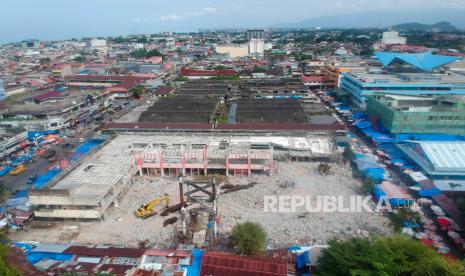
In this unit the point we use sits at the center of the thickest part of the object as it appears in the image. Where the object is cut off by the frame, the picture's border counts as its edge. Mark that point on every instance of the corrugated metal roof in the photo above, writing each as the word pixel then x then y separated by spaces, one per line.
pixel 109 251
pixel 50 248
pixel 229 265
pixel 445 155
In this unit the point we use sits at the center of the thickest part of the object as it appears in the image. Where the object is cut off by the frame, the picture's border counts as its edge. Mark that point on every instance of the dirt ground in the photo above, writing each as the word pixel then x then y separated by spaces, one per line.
pixel 120 226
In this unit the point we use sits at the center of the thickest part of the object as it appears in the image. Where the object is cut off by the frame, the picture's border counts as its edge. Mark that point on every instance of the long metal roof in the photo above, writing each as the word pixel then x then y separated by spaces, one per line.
pixel 437 158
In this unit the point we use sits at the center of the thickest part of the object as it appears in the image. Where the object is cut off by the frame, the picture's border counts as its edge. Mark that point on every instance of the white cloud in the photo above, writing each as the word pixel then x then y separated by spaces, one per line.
pixel 210 10
pixel 183 16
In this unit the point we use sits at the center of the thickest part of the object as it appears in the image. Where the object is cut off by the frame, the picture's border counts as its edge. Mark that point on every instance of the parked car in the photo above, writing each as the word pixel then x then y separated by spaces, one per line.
pixel 67 145
pixel 49 153
pixel 82 140
pixel 52 159
pixel 18 170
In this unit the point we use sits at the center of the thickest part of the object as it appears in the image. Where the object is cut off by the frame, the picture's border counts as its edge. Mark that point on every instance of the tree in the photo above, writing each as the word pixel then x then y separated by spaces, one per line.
pixel 249 237
pixel 5 194
pixel 137 92
pixel 452 186
pixel 368 184
pixel 401 215
pixel 80 59
pixel 4 268
pixel 258 70
pixel 142 53
pixel 219 67
pixel 393 255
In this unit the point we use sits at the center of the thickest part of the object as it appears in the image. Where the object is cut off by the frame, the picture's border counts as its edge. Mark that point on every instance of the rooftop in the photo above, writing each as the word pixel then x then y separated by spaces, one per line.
pixel 423 61
pixel 449 103
pixel 407 78
pixel 437 158
pixel 99 172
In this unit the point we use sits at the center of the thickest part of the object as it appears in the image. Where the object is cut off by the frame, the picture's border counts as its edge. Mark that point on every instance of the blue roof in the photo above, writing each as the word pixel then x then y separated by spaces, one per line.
pixel 424 61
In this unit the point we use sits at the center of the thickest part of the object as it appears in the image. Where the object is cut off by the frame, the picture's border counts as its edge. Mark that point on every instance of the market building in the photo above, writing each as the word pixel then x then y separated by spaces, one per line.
pixel 419 114
pixel 404 74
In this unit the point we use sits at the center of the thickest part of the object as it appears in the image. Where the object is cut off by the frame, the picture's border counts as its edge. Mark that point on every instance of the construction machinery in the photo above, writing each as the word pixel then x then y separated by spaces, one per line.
pixel 148 210
pixel 324 168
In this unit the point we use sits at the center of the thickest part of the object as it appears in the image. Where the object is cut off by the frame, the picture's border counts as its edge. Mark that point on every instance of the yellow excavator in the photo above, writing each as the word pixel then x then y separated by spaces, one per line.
pixel 147 210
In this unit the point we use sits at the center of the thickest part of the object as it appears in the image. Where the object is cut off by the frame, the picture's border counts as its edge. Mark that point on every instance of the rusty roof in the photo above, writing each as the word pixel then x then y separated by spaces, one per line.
pixel 225 264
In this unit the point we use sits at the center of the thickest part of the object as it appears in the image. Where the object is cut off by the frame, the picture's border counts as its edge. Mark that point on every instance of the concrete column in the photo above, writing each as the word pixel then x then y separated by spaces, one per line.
pixel 161 165
pixel 249 165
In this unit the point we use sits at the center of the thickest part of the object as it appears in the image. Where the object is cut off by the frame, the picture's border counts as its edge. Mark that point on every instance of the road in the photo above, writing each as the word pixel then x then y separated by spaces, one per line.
pixel 39 165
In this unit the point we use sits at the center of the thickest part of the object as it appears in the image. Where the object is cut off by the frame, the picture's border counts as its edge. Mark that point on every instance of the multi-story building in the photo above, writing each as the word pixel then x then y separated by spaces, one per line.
pixel 414 114
pixel 404 74
pixel 256 47
pixel 392 37
pixel 334 69
pixel 52 115
pixel 255 34
pixel 256 42
pixel 233 50
pixel 11 139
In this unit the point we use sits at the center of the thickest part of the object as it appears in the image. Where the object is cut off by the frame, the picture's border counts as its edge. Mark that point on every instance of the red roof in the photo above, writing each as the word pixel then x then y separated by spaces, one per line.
pixel 163 90
pixel 104 251
pixel 168 252
pixel 323 127
pixel 115 269
pixel 157 126
pixel 313 78
pixel 186 72
pixel 198 126
pixel 122 83
pixel 48 95
pixel 230 265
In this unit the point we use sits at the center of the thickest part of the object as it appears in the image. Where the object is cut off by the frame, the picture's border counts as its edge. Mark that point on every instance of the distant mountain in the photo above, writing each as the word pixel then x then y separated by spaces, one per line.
pixel 382 19
pixel 443 26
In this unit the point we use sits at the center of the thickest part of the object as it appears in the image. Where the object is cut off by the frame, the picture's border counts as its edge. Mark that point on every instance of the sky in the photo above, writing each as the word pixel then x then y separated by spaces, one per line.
pixel 64 19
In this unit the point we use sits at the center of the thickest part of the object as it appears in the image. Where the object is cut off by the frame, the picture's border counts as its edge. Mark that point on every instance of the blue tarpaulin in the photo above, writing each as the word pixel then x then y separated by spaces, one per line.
pixel 362 124
pixel 45 178
pixel 302 260
pixel 5 170
pixel 377 136
pixel 376 174
pixel 429 192
pixel 35 257
pixel 394 202
pixel 84 148
pixel 194 268
pixel 359 115
pixel 392 150
pixel 21 193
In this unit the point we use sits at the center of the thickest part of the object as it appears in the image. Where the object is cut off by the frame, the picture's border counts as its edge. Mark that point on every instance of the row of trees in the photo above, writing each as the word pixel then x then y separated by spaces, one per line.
pixel 143 53
pixel 394 255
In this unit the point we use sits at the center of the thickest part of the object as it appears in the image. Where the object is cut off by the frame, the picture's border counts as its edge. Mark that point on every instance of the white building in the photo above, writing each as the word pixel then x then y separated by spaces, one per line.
pixel 233 50
pixel 268 46
pixel 256 46
pixel 393 37
pixel 98 43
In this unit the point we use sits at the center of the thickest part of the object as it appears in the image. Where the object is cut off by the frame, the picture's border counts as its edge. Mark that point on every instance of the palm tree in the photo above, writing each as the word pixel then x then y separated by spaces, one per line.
pixel 452 186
